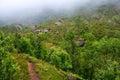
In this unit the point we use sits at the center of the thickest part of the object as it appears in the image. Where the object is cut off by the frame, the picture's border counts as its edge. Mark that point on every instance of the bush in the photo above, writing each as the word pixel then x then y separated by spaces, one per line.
pixel 60 58
pixel 8 69
pixel 25 46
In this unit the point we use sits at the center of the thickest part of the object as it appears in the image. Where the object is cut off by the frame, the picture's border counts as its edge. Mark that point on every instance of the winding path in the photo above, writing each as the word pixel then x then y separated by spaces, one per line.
pixel 32 72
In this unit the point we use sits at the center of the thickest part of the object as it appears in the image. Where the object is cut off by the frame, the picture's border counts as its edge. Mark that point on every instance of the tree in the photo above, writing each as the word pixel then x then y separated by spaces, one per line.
pixel 116 19
pixel 25 46
pixel 70 36
pixel 8 69
pixel 106 51
pixel 81 25
pixel 60 59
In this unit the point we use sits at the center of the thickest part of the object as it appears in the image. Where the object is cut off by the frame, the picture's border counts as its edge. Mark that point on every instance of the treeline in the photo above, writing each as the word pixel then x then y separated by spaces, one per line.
pixel 32 44
pixel 98 55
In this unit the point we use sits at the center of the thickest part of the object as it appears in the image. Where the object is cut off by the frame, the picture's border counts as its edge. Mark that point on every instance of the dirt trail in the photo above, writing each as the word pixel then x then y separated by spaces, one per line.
pixel 32 72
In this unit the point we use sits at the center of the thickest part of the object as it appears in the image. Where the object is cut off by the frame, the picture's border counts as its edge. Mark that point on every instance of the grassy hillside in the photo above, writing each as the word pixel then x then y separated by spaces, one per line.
pixel 84 46
pixel 44 70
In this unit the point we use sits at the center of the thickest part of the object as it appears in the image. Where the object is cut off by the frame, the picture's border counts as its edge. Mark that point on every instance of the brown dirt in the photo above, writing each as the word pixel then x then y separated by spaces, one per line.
pixel 32 72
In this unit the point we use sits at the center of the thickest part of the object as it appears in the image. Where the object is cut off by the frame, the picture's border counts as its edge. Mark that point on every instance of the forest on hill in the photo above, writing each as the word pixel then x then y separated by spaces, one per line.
pixel 81 46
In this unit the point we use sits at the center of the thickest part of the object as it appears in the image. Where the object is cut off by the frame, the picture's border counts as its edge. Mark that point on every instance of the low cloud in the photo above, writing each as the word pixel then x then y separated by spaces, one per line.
pixel 18 11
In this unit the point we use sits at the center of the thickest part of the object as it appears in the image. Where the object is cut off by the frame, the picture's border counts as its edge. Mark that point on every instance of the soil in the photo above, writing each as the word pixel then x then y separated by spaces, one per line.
pixel 32 72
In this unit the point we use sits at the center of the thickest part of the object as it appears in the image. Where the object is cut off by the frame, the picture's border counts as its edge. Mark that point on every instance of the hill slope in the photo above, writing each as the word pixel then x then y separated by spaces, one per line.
pixel 44 70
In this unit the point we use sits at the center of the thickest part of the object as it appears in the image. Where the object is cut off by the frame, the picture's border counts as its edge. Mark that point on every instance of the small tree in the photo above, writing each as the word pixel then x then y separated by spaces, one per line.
pixel 25 46
pixel 60 59
pixel 70 36
pixel 7 67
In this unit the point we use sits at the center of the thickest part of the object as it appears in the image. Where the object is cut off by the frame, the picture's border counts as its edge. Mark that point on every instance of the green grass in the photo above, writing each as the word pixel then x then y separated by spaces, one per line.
pixel 23 71
pixel 50 72
pixel 45 70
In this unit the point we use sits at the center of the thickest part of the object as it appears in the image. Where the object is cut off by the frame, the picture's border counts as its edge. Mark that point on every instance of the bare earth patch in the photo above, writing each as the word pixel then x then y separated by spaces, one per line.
pixel 32 72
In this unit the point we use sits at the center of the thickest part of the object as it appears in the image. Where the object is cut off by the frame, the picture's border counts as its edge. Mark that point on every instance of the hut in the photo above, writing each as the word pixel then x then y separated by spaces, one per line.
pixel 81 42
pixel 38 31
pixel 58 23
pixel 45 31
pixel 18 27
pixel 41 31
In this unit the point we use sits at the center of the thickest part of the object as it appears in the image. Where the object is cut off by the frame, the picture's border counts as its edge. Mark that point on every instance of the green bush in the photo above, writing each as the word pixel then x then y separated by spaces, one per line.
pixel 8 69
pixel 60 59
pixel 25 46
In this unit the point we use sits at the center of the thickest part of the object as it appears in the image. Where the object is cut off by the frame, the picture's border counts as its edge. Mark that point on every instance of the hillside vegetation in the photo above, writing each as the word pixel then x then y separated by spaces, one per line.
pixel 85 46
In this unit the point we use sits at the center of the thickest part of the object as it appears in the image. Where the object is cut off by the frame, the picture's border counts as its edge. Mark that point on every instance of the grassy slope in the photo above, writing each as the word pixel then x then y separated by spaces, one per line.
pixel 23 72
pixel 45 70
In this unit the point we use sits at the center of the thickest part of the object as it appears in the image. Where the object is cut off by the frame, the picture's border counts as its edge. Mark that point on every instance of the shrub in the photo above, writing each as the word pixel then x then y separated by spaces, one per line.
pixel 60 58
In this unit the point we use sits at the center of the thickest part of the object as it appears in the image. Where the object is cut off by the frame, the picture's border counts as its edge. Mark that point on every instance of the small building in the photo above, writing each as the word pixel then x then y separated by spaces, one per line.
pixel 45 31
pixel 58 23
pixel 18 27
pixel 38 31
pixel 81 42
pixel 41 31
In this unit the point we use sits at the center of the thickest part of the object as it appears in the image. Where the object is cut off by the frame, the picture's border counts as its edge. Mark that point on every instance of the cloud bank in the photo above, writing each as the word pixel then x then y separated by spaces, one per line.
pixel 8 7
pixel 18 11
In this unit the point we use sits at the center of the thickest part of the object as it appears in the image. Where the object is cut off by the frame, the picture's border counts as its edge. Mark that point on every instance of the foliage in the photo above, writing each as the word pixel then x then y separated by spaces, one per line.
pixel 98 59
pixel 60 59
pixel 8 70
pixel 116 19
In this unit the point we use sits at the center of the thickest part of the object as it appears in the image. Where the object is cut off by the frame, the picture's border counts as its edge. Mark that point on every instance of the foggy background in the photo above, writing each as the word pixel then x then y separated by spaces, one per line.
pixel 33 11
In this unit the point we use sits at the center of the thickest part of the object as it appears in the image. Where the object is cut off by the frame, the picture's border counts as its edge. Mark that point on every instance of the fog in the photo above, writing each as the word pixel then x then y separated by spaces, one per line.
pixel 31 11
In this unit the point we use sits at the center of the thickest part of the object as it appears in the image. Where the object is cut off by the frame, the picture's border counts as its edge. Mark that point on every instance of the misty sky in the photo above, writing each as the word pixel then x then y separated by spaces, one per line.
pixel 12 6
pixel 20 9
pixel 15 10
